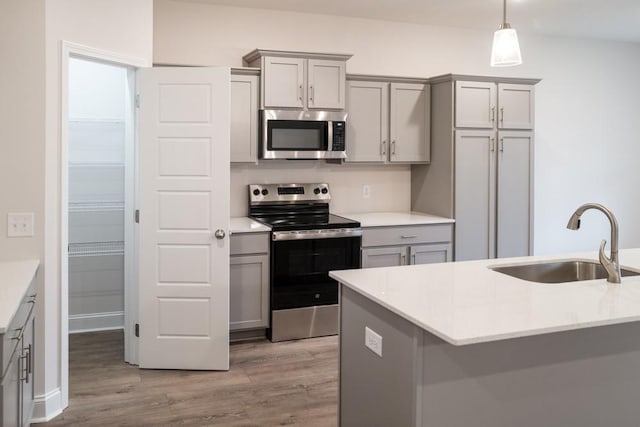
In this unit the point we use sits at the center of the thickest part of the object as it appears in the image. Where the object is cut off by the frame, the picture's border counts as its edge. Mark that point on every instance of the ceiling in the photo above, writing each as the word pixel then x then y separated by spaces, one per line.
pixel 597 19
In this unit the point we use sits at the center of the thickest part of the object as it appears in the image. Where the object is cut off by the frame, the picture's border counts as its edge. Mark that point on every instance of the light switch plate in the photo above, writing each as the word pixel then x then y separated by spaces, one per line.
pixel 366 191
pixel 373 341
pixel 20 224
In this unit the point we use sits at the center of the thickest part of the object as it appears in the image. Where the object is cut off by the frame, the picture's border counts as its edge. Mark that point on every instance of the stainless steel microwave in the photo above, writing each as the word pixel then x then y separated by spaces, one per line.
pixel 294 134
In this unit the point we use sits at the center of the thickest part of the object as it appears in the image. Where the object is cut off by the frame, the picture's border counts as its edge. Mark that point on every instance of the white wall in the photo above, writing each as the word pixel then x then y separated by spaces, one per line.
pixel 587 104
pixel 32 31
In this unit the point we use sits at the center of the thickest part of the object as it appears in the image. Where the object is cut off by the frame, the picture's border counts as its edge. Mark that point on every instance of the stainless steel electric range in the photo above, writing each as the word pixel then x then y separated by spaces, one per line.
pixel 306 243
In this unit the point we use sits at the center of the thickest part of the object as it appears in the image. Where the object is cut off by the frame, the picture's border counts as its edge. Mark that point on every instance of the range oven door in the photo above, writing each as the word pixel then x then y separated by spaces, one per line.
pixel 300 265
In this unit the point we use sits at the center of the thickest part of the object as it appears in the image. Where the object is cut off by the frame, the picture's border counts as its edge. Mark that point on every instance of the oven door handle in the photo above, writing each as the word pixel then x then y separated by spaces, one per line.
pixel 316 234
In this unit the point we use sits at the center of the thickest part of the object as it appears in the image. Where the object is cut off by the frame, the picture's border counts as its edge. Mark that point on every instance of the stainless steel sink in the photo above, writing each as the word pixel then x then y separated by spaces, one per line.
pixel 560 271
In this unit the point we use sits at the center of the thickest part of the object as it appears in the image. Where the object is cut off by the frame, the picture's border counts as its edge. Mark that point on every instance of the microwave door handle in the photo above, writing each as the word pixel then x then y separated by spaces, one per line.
pixel 330 136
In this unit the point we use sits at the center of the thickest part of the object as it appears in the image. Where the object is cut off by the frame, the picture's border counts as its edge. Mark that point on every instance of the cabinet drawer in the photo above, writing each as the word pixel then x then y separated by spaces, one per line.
pixel 406 235
pixel 249 243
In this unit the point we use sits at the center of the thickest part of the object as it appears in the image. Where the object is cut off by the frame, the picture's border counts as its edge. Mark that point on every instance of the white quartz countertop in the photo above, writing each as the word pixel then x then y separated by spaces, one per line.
pixel 466 302
pixel 382 219
pixel 15 278
pixel 243 224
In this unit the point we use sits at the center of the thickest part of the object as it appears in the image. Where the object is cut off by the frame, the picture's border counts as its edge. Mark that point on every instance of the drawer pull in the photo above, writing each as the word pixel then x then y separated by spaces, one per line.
pixel 18 335
pixel 408 237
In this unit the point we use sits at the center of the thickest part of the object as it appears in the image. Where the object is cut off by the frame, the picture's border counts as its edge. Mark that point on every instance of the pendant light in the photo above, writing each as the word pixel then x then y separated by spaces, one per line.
pixel 506 50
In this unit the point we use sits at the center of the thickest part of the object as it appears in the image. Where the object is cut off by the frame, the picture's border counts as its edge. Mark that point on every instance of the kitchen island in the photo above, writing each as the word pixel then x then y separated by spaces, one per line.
pixel 458 344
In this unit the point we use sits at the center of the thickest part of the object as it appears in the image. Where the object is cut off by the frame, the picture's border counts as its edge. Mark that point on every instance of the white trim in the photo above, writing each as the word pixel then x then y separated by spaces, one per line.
pixel 68 50
pixel 47 406
pixel 94 322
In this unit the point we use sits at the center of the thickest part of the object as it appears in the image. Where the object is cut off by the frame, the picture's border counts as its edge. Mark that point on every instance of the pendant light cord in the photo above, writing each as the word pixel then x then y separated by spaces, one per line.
pixel 504 13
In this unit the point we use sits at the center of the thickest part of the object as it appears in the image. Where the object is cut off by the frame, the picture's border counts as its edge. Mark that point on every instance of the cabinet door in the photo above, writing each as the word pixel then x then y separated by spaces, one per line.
pixel 10 392
pixel 516 106
pixel 475 104
pixel 515 185
pixel 410 124
pixel 384 257
pixel 28 362
pixel 283 82
pixel 474 195
pixel 326 84
pixel 368 121
pixel 430 254
pixel 244 118
pixel 249 292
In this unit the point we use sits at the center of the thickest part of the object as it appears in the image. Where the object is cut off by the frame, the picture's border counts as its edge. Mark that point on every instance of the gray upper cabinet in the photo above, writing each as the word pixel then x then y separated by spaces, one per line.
pixel 475 104
pixel 516 103
pixel 244 115
pixel 410 112
pixel 368 121
pixel 300 80
pixel 388 121
pixel 284 83
pixel 483 104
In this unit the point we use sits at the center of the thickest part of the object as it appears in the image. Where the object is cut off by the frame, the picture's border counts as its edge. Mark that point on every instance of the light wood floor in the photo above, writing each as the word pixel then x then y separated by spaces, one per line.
pixel 288 383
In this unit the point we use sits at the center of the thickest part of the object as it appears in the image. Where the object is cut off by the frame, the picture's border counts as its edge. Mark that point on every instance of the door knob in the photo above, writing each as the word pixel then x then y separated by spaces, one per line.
pixel 219 234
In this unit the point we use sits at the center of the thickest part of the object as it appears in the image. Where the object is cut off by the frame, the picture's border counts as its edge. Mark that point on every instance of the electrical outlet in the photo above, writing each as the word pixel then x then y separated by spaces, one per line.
pixel 366 191
pixel 373 341
pixel 20 224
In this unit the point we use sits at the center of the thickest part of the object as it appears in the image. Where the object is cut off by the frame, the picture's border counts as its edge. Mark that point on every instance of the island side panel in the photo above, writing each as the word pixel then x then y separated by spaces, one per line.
pixel 374 390
pixel 587 377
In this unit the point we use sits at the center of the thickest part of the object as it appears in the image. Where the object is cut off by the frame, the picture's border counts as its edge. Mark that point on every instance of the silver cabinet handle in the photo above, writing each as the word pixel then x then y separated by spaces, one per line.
pixel 408 237
pixel 403 259
pixel 493 114
pixel 311 92
pixel 219 234
pixel 501 114
pixel 300 92
pixel 383 147
pixel 492 145
pixel 393 147
pixel 413 259
pixel 501 145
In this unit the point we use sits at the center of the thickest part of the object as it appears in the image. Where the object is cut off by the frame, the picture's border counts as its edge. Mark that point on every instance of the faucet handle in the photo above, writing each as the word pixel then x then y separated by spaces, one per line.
pixel 610 265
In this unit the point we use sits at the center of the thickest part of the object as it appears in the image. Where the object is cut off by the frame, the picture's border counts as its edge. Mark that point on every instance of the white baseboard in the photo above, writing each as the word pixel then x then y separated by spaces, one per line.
pixel 96 322
pixel 47 406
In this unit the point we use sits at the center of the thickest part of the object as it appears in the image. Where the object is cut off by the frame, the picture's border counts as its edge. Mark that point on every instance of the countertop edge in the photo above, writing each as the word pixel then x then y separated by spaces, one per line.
pixel 28 270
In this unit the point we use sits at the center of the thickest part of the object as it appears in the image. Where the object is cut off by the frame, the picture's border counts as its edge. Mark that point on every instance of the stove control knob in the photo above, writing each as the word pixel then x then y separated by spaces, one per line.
pixel 324 190
pixel 256 192
pixel 316 190
pixel 265 191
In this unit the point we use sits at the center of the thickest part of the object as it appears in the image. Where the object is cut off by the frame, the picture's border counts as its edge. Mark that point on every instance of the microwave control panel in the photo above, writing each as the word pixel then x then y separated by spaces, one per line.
pixel 339 129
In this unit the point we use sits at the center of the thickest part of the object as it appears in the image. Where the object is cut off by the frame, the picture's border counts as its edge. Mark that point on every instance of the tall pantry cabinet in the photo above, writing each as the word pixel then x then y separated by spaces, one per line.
pixel 482 164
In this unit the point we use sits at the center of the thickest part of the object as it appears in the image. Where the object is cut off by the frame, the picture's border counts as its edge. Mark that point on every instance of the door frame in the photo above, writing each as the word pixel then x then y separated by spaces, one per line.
pixel 74 50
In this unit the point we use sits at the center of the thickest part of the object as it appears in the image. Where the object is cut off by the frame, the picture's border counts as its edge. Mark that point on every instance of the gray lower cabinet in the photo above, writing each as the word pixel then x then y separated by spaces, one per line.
pixel 249 282
pixel 406 245
pixel 17 357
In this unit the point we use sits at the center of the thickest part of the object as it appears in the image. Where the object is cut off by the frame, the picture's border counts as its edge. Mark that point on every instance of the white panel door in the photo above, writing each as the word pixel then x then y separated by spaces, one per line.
pixel 515 190
pixel 184 199
pixel 326 84
pixel 516 106
pixel 368 122
pixel 475 186
pixel 475 104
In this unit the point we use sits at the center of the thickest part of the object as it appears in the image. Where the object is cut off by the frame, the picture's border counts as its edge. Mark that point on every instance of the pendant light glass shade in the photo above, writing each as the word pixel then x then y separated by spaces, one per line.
pixel 506 49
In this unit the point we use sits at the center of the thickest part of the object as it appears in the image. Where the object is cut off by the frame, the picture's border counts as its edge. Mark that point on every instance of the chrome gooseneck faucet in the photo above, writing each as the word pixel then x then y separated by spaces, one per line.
pixel 611 265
